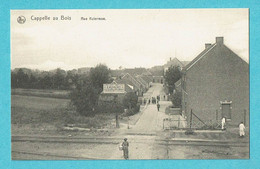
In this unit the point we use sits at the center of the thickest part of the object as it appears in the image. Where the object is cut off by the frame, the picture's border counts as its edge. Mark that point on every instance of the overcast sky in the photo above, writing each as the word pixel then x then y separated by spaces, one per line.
pixel 127 38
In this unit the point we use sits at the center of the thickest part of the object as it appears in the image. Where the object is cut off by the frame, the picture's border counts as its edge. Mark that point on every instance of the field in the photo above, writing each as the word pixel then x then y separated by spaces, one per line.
pixel 29 114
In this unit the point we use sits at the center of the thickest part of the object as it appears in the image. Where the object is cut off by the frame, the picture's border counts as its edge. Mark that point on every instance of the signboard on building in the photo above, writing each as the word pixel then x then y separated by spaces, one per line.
pixel 113 88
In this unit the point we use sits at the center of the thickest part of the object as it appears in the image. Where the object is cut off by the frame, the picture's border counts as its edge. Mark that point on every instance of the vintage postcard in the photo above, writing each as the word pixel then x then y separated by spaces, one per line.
pixel 130 84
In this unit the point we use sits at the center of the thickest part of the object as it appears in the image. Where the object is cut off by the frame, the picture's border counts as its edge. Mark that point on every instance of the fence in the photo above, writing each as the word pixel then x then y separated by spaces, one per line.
pixel 194 123
pixel 170 123
pixel 197 123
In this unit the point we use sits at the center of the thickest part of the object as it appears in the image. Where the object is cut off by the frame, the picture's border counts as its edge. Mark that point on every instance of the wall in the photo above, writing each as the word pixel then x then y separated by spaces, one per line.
pixel 220 75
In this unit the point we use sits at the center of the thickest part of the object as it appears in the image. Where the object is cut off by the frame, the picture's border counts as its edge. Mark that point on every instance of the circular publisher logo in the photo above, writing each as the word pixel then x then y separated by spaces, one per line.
pixel 21 19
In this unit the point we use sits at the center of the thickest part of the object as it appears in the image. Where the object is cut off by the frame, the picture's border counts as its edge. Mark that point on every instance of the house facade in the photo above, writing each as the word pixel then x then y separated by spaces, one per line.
pixel 114 93
pixel 216 84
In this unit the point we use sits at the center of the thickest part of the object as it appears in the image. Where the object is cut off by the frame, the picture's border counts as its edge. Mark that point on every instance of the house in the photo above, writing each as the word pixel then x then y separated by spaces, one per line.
pixel 158 79
pixel 142 81
pixel 173 62
pixel 114 92
pixel 137 86
pixel 216 84
pixel 147 78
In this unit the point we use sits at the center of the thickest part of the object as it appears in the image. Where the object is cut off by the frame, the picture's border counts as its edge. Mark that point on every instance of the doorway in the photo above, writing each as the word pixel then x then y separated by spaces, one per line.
pixel 226 109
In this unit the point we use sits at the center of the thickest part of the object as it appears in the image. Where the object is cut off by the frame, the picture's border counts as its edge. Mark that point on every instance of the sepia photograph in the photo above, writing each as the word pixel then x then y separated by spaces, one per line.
pixel 130 84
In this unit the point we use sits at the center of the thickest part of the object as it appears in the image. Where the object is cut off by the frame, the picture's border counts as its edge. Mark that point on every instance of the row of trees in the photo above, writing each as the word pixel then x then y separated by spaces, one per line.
pixel 59 79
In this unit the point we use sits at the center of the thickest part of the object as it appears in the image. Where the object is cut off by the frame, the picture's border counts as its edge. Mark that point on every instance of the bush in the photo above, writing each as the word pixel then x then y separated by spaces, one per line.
pixel 176 99
pixel 137 108
pixel 130 102
pixel 107 107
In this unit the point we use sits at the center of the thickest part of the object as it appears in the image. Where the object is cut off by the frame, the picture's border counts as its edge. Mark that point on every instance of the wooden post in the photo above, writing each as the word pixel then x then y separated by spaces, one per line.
pixel 117 121
pixel 190 118
pixel 245 117
pixel 179 122
pixel 216 115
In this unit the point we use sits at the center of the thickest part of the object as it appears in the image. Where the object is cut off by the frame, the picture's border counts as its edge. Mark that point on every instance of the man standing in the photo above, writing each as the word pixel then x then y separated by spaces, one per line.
pixel 242 129
pixel 158 106
pixel 125 146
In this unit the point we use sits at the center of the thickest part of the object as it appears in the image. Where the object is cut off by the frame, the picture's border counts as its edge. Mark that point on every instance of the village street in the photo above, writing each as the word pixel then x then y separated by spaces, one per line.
pixel 148 122
pixel 144 130
pixel 147 140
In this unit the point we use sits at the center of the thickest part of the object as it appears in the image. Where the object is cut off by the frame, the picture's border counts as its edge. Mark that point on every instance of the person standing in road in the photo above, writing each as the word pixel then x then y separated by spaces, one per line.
pixel 158 106
pixel 125 146
pixel 223 123
pixel 242 129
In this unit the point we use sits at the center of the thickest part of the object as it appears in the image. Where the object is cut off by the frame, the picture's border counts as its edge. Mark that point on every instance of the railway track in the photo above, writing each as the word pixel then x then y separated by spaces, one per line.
pixel 51 155
pixel 139 139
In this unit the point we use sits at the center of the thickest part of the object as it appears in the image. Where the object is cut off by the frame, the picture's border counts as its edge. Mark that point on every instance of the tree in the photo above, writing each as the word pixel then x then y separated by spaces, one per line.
pixel 13 80
pixel 172 75
pixel 22 79
pixel 33 82
pixel 130 100
pixel 46 82
pixel 99 76
pixel 59 78
pixel 84 97
pixel 176 99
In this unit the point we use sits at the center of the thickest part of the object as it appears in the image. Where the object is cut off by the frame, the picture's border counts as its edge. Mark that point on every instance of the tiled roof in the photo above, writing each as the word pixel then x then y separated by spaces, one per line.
pixel 201 55
pixel 147 78
pixel 141 80
pixel 132 79
pixel 174 62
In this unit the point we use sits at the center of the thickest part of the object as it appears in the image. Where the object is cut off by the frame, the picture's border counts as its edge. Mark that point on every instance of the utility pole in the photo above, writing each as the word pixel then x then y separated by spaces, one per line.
pixel 117 120
pixel 190 118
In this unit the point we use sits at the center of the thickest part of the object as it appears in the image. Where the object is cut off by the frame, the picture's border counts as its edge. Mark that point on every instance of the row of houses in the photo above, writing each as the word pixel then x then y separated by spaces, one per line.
pixel 215 85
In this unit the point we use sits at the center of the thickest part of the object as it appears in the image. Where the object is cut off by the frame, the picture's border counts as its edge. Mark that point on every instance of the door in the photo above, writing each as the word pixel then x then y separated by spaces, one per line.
pixel 226 110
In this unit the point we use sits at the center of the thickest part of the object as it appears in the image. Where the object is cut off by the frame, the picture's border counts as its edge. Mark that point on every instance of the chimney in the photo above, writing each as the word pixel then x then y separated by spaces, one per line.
pixel 219 40
pixel 207 45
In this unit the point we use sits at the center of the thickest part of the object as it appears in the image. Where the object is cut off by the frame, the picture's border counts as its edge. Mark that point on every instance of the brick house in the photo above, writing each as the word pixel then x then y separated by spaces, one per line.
pixel 137 86
pixel 216 84
pixel 158 79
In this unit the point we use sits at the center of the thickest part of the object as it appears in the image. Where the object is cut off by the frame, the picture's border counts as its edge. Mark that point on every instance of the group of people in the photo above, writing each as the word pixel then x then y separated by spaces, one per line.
pixel 241 127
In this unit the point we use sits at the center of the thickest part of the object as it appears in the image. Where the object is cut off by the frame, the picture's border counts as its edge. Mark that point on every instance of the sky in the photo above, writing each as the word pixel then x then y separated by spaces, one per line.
pixel 127 37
